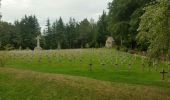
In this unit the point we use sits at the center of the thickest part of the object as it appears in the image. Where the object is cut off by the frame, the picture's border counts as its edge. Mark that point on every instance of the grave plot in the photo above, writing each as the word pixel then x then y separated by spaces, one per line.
pixel 109 64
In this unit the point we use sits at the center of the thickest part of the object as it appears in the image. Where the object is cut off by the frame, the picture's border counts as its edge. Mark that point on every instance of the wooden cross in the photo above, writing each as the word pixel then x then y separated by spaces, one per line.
pixel 102 64
pixel 143 62
pixel 130 65
pixel 163 74
pixel 81 61
pixel 116 64
pixel 90 66
pixel 39 59
pixel 169 66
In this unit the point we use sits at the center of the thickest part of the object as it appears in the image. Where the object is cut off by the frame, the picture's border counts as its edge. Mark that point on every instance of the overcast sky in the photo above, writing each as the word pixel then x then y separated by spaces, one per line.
pixel 53 9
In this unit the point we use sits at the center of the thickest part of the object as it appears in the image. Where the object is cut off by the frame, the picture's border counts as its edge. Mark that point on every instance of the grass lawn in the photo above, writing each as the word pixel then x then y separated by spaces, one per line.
pixel 112 74
pixel 30 85
pixel 76 62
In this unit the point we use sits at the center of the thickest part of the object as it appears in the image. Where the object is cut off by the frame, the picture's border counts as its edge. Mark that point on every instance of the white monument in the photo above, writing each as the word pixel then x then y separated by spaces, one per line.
pixel 109 42
pixel 38 43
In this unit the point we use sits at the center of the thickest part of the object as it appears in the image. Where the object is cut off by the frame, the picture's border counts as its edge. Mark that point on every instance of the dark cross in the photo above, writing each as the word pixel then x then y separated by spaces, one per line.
pixel 143 62
pixel 90 66
pixel 163 74
pixel 39 60
pixel 116 64
pixel 169 66
pixel 103 65
pixel 130 65
pixel 80 60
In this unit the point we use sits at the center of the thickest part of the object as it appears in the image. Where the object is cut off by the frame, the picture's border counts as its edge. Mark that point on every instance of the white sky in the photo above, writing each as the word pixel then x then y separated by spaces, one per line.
pixel 53 9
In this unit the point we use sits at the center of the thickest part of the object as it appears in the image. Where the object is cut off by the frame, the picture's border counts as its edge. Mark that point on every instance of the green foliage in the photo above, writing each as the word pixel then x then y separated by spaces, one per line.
pixel 154 28
pixel 71 34
pixel 76 62
pixel 7 35
pixel 103 32
pixel 21 34
pixel 84 32
pixel 123 20
pixel 30 85
pixel 29 30
pixel 8 47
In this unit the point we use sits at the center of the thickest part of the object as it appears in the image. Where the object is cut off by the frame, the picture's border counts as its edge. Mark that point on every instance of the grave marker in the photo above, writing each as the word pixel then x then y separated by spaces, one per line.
pixel 169 65
pixel 163 74
pixel 38 43
pixel 103 65
pixel 143 62
pixel 90 65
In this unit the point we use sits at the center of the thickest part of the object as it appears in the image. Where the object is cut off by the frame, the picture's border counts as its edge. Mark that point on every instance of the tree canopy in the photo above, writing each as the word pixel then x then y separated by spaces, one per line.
pixel 154 28
pixel 134 24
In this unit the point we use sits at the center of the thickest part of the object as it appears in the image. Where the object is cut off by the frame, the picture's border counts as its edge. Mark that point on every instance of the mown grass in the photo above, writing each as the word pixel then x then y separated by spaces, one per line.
pixel 30 85
pixel 76 62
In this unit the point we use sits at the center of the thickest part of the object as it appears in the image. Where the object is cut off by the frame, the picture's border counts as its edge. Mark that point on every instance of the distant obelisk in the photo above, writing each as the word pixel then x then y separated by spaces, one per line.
pixel 0 11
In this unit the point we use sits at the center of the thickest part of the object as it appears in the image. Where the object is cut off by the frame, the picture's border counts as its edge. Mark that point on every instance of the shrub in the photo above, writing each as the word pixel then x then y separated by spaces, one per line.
pixel 8 47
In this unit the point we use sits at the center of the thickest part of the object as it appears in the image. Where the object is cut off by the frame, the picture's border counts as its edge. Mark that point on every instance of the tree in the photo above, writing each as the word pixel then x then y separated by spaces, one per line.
pixel 21 33
pixel 30 29
pixel 94 34
pixel 48 35
pixel 84 31
pixel 8 35
pixel 71 31
pixel 48 29
pixel 56 36
pixel 103 32
pixel 154 29
pixel 123 20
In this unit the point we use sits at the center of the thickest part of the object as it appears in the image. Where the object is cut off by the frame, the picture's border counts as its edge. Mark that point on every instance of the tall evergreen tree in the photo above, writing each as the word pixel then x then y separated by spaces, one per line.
pixel 103 32
pixel 30 29
pixel 84 31
pixel 71 30
pixel 48 35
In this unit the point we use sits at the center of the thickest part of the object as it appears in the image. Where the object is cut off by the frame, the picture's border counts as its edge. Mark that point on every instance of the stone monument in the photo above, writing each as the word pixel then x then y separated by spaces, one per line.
pixel 109 42
pixel 38 43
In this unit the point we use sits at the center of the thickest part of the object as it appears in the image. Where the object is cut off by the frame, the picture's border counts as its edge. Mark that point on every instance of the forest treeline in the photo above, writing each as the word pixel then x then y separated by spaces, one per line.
pixel 134 24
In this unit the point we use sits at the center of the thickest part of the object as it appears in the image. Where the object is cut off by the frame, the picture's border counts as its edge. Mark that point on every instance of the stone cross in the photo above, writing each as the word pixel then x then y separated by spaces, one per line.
pixel 163 74
pixel 38 41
